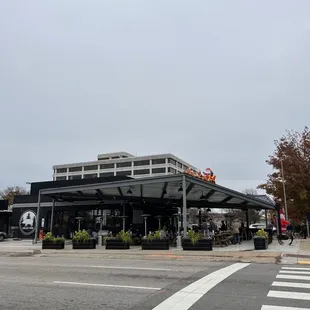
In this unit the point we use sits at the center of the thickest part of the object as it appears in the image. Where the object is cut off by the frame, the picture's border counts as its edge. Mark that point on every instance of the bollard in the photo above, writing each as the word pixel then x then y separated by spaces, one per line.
pixel 179 242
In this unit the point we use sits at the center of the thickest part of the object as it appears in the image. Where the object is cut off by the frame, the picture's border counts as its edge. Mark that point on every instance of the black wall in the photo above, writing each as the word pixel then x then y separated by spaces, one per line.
pixel 4 204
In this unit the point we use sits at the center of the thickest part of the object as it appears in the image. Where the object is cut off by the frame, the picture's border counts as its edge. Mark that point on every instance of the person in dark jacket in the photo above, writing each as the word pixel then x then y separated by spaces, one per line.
pixel 289 231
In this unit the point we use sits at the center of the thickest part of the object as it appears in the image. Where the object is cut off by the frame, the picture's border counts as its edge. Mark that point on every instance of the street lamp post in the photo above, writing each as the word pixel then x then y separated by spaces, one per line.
pixel 284 190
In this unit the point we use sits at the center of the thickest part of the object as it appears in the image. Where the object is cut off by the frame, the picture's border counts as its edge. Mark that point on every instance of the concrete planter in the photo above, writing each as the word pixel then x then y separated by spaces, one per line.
pixel 160 244
pixel 116 244
pixel 52 245
pixel 201 245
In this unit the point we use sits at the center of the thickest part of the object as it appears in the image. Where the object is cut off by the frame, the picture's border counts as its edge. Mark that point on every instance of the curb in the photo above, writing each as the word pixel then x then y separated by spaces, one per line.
pixel 20 254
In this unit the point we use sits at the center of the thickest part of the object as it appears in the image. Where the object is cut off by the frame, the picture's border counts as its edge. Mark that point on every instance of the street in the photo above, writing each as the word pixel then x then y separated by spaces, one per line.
pixel 87 283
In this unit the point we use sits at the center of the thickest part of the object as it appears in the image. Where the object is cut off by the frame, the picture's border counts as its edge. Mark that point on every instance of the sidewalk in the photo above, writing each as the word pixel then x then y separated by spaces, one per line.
pixel 298 252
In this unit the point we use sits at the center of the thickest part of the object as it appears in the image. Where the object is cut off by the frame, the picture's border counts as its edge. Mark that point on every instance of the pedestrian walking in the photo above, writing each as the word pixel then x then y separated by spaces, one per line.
pixel 289 231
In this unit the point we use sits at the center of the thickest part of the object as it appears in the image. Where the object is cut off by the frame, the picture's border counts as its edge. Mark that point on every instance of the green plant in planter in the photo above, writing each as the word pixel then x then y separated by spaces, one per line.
pixel 194 236
pixel 59 239
pixel 153 236
pixel 81 236
pixel 261 234
pixel 124 236
pixel 50 237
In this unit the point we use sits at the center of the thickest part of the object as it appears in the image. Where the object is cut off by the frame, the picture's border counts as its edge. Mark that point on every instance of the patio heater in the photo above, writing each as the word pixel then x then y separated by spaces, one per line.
pixel 159 217
pixel 145 216
pixel 123 217
pixel 79 219
pixel 179 239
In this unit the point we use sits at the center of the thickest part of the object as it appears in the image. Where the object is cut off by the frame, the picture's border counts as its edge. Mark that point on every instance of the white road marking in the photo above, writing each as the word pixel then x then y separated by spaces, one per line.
pixel 109 285
pixel 295 272
pixel 129 268
pixel 185 298
pixel 289 295
pixel 295 268
pixel 287 276
pixel 291 284
pixel 266 307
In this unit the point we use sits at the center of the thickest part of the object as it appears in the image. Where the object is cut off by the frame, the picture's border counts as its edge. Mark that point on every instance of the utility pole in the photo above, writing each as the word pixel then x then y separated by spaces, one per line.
pixel 284 191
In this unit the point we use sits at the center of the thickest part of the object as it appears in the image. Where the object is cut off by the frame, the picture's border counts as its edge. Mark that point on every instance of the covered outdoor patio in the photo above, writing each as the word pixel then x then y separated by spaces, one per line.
pixel 174 193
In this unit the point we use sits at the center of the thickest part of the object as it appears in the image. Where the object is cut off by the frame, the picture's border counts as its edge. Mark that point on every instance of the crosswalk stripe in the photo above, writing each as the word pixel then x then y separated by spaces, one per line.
pixel 267 307
pixel 295 272
pixel 291 284
pixel 292 277
pixel 296 268
pixel 289 295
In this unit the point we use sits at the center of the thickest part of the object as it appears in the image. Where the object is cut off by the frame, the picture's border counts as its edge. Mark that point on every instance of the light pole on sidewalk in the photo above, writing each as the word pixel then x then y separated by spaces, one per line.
pixel 284 190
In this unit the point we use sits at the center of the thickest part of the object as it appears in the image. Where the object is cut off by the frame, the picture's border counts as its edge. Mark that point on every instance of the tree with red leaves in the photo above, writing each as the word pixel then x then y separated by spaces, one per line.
pixel 293 150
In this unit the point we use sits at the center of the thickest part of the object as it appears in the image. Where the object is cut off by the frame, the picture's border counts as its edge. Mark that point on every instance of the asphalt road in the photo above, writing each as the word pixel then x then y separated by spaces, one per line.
pixel 87 283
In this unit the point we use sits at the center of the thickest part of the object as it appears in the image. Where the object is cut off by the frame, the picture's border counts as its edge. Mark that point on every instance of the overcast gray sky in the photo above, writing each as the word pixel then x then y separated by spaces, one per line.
pixel 213 82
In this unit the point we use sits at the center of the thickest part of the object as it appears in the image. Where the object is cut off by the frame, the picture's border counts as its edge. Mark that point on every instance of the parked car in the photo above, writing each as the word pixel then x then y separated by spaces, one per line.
pixel 3 236
pixel 258 226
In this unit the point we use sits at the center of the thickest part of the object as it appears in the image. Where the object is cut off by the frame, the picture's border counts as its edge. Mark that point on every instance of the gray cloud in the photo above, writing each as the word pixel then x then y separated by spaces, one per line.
pixel 211 82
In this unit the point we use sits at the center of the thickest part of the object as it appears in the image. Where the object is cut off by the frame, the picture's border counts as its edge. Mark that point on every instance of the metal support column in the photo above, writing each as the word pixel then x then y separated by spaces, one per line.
pixel 37 219
pixel 52 216
pixel 145 226
pixel 184 207
pixel 266 217
pixel 124 219
pixel 247 225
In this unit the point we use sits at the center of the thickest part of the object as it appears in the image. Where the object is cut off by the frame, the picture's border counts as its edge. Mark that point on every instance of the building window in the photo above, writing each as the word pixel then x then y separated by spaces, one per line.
pixel 62 170
pixel 185 167
pixel 141 163
pixel 158 161
pixel 75 177
pixel 107 174
pixel 61 178
pixel 123 165
pixel 123 173
pixel 142 171
pixel 75 169
pixel 179 165
pixel 159 170
pixel 172 161
pixel 107 166
pixel 93 167
pixel 90 176
pixel 171 170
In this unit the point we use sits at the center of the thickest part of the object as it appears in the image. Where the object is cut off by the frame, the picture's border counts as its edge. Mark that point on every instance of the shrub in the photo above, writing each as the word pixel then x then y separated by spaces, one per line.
pixel 194 236
pixel 81 236
pixel 261 234
pixel 153 236
pixel 50 237
pixel 124 236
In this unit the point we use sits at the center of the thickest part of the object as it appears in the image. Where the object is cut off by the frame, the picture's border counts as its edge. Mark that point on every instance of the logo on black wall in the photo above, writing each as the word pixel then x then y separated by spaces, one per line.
pixel 27 222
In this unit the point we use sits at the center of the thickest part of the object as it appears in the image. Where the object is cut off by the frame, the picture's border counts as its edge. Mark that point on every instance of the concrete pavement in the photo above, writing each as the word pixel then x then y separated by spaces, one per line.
pixel 298 252
pixel 117 284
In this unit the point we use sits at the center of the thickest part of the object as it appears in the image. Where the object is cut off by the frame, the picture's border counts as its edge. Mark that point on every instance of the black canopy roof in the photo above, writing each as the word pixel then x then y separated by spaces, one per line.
pixel 159 190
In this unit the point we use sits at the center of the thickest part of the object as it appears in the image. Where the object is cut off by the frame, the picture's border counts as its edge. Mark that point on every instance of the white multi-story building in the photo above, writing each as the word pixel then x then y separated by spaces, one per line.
pixel 122 164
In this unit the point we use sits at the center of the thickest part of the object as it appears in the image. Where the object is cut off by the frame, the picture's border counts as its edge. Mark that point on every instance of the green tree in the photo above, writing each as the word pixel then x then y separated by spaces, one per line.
pixel 292 151
pixel 10 192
